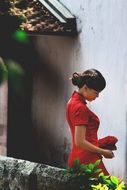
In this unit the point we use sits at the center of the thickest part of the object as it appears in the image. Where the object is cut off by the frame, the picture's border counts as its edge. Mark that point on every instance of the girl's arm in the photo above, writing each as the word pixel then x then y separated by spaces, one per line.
pixel 81 142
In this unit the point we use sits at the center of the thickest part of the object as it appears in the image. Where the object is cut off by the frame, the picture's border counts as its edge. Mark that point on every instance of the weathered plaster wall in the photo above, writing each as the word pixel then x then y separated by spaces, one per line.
pixel 3 118
pixel 101 44
pixel 49 97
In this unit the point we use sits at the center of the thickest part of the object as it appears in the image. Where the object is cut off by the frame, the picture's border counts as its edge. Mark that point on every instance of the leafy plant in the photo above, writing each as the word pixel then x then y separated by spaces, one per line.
pixel 81 175
pixel 112 182
pixel 82 169
pixel 99 187
pixel 89 177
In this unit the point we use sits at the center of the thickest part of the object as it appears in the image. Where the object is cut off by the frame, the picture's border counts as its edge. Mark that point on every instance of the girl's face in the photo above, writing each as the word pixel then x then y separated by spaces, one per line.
pixel 90 94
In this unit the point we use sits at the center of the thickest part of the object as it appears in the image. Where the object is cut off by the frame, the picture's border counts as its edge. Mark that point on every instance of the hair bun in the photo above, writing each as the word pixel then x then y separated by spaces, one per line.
pixel 76 77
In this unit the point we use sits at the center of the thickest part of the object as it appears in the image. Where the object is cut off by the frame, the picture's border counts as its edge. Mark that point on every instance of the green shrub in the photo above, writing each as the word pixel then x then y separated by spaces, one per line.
pixel 89 177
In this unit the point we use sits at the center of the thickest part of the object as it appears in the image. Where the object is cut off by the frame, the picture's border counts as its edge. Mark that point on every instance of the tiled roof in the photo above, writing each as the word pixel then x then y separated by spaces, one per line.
pixel 44 17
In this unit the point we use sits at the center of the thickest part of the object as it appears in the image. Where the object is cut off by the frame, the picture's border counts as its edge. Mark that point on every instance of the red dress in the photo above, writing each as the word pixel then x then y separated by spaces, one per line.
pixel 79 114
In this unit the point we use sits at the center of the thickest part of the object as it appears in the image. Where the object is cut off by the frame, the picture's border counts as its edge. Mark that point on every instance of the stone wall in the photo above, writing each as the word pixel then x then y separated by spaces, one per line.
pixel 17 174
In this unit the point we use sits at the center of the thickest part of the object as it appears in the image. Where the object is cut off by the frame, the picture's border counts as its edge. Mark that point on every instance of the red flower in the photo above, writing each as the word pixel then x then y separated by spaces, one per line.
pixel 108 142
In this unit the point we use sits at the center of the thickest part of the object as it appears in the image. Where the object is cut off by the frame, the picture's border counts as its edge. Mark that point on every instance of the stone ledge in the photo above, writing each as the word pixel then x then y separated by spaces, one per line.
pixel 17 174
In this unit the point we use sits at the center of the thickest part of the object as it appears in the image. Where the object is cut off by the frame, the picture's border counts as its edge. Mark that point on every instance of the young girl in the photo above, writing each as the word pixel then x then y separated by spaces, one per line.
pixel 83 122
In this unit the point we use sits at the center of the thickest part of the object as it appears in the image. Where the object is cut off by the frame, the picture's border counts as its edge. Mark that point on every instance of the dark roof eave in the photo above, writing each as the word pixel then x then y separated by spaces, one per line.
pixel 71 34
pixel 41 17
pixel 63 15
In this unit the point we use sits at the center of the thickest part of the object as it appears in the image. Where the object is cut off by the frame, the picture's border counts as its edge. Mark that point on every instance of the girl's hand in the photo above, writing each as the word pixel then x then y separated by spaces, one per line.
pixel 107 153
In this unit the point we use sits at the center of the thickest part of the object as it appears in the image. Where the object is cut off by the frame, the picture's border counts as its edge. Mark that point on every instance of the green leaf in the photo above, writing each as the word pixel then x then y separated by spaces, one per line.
pixel 97 170
pixel 114 180
pixel 108 182
pixel 83 167
pixel 76 163
pixel 101 174
pixel 121 186
pixel 99 187
pixel 91 166
pixel 66 172
pixel 97 163
pixel 88 171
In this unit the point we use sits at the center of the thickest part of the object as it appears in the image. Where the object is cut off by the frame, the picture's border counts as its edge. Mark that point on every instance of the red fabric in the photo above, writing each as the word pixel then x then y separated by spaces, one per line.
pixel 108 142
pixel 78 113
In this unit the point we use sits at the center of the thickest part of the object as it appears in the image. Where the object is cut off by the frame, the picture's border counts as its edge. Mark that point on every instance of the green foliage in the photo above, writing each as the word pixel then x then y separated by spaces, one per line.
pixel 90 177
pixel 81 175
pixel 3 71
pixel 82 169
pixel 15 75
pixel 99 187
pixel 20 36
pixel 112 182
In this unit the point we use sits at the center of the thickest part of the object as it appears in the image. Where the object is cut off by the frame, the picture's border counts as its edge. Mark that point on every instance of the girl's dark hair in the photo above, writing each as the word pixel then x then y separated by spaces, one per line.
pixel 92 78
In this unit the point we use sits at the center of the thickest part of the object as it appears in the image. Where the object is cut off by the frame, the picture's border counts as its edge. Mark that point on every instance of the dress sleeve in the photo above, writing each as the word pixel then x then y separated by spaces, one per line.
pixel 81 116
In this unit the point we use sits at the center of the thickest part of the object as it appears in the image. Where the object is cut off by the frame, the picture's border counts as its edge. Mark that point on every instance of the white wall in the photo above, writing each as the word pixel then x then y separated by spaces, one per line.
pixel 101 44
